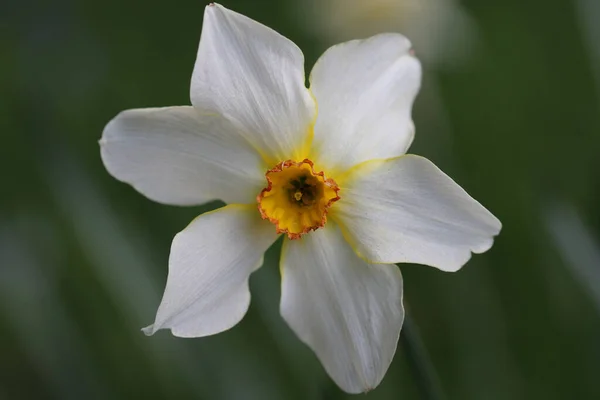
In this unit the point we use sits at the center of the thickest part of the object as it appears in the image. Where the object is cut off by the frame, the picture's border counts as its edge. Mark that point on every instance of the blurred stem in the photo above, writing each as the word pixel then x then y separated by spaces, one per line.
pixel 420 363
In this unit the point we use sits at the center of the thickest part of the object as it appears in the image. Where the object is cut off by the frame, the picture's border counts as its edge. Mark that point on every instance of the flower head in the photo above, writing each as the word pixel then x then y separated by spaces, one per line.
pixel 338 184
pixel 442 31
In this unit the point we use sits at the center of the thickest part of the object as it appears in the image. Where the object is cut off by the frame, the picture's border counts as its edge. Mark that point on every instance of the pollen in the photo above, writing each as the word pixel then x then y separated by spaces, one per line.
pixel 297 198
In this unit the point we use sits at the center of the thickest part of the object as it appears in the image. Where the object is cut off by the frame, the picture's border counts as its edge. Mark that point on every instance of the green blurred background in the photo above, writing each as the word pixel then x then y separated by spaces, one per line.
pixel 514 118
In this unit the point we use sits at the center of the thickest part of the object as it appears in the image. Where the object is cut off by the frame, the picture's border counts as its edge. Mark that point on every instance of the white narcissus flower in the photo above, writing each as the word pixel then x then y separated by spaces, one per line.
pixel 441 30
pixel 337 183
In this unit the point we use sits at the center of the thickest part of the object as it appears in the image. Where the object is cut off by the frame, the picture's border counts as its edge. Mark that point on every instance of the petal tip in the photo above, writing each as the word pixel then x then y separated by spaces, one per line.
pixel 215 7
pixel 149 330
pixel 497 226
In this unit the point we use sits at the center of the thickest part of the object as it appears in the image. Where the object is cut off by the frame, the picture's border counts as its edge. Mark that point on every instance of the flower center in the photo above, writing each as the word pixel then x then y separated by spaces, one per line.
pixel 296 198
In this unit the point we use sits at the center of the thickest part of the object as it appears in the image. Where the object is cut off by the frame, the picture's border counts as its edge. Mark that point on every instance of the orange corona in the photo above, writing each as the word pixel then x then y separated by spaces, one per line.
pixel 297 198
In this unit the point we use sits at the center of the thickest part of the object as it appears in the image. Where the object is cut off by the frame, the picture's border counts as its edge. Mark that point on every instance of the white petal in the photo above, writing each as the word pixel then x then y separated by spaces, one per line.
pixel 209 266
pixel 406 210
pixel 365 90
pixel 173 155
pixel 255 77
pixel 349 312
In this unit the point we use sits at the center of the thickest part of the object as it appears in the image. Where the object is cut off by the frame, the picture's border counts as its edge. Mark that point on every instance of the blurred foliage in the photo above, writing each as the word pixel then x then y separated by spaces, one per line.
pixel 83 258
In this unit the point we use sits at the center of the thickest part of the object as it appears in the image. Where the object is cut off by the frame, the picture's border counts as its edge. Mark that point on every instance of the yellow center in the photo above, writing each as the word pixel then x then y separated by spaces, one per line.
pixel 296 198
